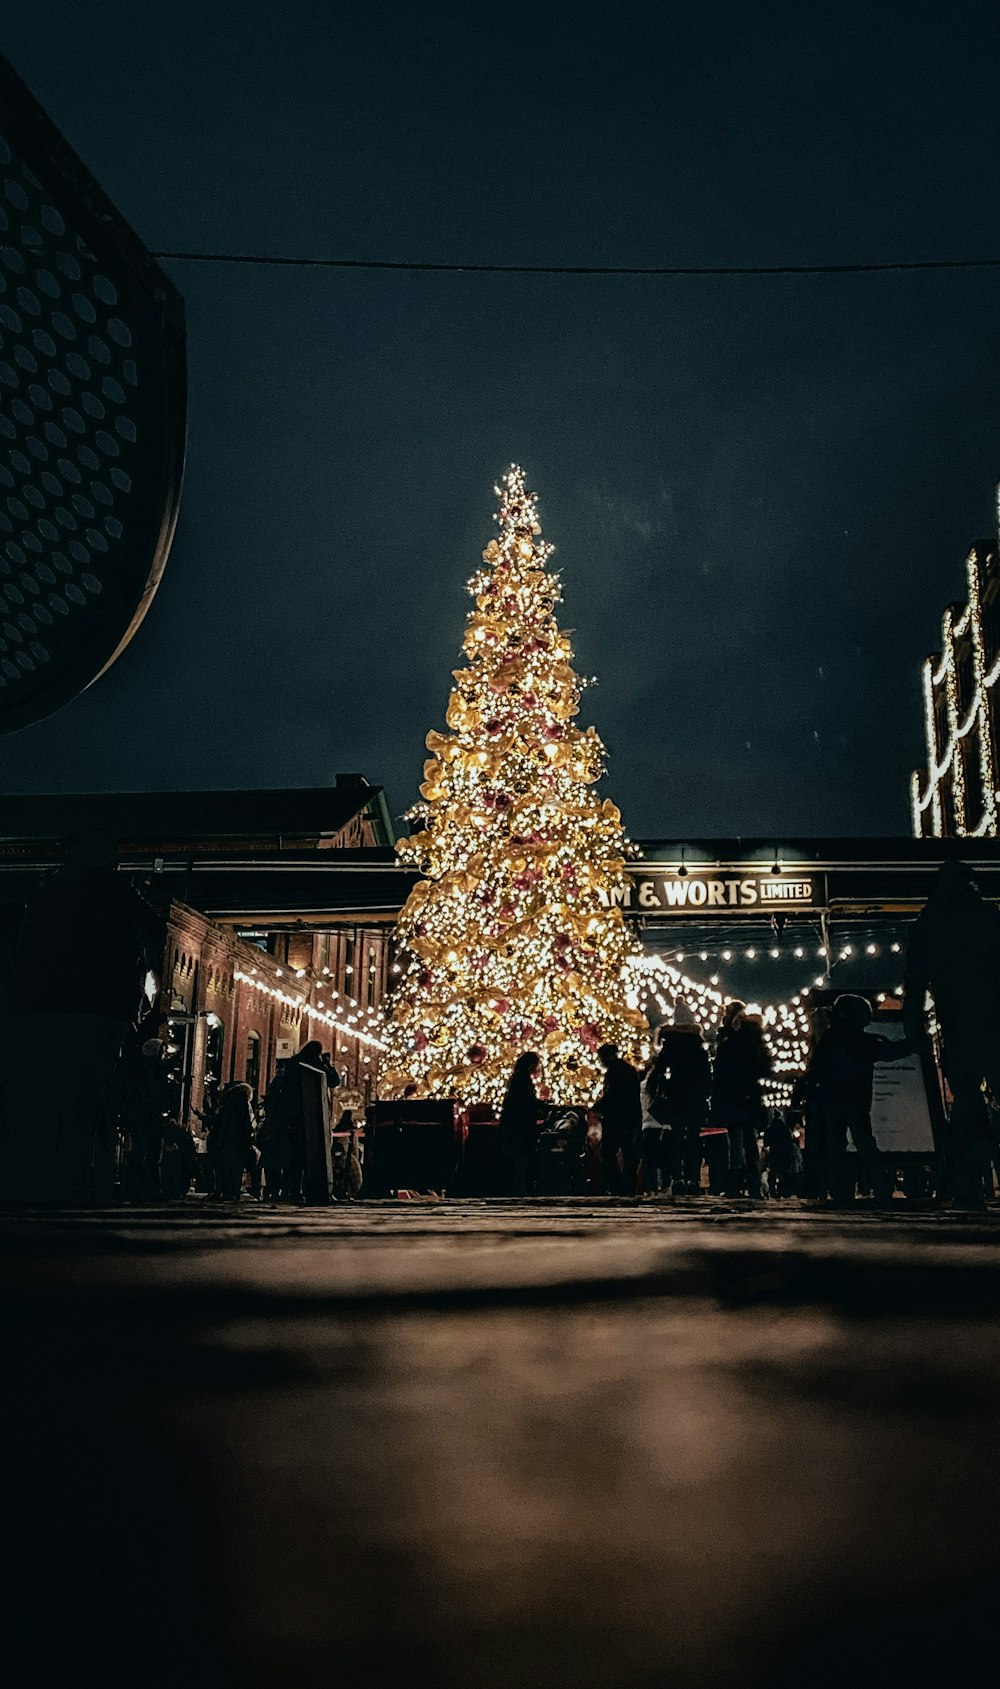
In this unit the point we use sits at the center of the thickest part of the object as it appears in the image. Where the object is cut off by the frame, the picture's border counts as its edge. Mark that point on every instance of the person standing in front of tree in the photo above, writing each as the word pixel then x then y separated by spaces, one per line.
pixel 519 1116
pixel 682 1079
pixel 742 1061
pixel 620 1108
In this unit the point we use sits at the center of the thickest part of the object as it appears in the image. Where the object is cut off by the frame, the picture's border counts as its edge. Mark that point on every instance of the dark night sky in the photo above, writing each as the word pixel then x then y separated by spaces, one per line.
pixel 761 490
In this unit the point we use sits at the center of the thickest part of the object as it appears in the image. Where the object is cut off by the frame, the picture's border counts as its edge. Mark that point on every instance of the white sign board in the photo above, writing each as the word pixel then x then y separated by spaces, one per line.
pixel 901 1116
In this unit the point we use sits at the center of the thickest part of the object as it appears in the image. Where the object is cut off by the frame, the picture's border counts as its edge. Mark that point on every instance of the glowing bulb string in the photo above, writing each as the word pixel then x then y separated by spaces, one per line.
pixel 786 1024
pixel 302 1006
pixel 860 945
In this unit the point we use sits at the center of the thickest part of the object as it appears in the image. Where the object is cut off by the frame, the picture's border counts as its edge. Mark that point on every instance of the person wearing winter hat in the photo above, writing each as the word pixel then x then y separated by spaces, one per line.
pixel 840 1078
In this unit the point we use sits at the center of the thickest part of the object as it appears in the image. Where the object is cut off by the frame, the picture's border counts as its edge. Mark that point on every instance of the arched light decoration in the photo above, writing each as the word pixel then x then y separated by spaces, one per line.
pixel 786 1024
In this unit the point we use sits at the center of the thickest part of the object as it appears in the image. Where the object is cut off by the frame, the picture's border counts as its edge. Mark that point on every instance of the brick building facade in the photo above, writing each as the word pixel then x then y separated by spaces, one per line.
pixel 267 944
pixel 236 1006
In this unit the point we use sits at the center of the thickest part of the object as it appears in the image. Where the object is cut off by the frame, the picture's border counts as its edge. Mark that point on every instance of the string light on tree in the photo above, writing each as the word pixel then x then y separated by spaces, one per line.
pixel 513 939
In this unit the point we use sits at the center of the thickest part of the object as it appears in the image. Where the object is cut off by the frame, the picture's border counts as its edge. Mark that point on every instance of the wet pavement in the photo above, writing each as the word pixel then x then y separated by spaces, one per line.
pixel 582 1443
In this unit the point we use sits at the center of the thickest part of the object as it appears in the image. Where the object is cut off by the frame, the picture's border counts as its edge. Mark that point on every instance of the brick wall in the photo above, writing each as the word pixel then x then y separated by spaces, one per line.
pixel 217 1014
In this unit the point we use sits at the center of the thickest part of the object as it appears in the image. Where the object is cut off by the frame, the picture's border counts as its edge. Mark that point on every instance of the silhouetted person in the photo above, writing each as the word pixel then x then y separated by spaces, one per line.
pixel 656 1159
pixel 232 1139
pixel 345 1160
pixel 782 1154
pixel 148 1104
pixel 177 1163
pixel 85 944
pixel 814 1171
pixel 742 1060
pixel 954 953
pixel 620 1109
pixel 274 1138
pixel 840 1077
pixel 682 1080
pixel 305 1107
pixel 211 1099
pixel 519 1120
pixel 332 1076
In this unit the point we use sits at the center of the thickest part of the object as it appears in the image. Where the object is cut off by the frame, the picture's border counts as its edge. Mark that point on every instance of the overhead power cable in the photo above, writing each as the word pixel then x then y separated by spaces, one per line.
pixel 897 266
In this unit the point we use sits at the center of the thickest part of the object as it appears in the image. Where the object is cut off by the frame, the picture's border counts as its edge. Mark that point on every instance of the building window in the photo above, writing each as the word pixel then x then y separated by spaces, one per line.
pixel 257 939
pixel 214 1043
pixel 252 1072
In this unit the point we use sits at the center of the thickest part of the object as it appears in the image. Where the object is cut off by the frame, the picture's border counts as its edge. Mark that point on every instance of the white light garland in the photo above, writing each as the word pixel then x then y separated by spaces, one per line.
pixel 348 1026
pixel 945 763
pixel 786 1025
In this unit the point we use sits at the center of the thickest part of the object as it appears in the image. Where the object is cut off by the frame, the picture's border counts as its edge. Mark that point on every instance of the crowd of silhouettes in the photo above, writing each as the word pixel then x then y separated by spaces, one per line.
pixel 699 1117
pixel 89 1109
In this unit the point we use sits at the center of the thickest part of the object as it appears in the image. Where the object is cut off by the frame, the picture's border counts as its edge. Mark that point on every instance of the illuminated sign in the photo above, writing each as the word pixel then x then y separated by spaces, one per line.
pixel 653 890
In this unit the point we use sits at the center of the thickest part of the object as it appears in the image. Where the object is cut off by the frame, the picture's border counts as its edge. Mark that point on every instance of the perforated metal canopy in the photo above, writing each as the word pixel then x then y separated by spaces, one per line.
pixel 92 419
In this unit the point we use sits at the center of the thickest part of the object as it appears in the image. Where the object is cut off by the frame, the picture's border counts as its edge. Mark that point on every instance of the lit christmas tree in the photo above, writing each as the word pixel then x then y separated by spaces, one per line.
pixel 512 941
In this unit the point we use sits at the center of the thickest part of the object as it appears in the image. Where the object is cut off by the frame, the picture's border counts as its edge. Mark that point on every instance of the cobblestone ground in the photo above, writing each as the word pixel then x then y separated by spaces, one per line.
pixel 585 1443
